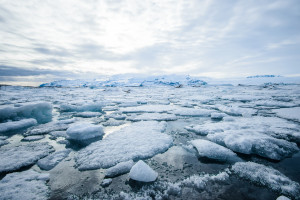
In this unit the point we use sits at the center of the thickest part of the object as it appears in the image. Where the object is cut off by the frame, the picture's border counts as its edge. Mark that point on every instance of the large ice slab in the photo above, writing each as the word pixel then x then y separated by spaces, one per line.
pixel 27 185
pixel 13 158
pixel 42 112
pixel 289 113
pixel 249 142
pixel 53 159
pixel 268 177
pixel 142 172
pixel 138 141
pixel 84 131
pixel 16 125
pixel 214 151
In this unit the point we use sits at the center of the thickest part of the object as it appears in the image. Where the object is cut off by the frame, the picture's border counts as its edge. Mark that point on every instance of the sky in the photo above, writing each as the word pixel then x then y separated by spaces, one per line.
pixel 42 41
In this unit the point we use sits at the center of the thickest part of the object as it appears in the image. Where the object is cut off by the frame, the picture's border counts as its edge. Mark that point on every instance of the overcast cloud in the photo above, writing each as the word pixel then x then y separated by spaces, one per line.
pixel 59 39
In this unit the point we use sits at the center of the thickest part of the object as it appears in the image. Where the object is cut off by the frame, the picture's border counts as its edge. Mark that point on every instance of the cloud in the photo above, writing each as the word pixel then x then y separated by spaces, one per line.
pixel 173 36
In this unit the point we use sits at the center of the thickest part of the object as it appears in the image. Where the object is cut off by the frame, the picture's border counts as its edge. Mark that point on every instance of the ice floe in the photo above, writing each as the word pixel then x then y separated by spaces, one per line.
pixel 13 158
pixel 121 168
pixel 17 125
pixel 142 172
pixel 137 141
pixel 42 112
pixel 33 138
pixel 88 114
pixel 267 176
pixel 27 185
pixel 194 112
pixel 249 142
pixel 213 151
pixel 93 107
pixel 84 131
pixel 53 159
pixel 153 117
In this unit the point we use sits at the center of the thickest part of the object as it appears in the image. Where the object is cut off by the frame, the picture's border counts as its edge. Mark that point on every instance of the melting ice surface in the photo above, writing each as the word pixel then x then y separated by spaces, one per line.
pixel 185 139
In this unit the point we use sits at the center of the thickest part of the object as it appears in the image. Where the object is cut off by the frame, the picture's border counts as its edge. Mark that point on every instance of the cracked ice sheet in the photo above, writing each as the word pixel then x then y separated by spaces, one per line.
pixel 27 185
pixel 138 141
pixel 14 158
pixel 268 177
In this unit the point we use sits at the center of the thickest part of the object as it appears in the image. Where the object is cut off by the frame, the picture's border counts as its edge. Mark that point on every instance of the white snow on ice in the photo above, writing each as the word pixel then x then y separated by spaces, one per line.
pixel 140 140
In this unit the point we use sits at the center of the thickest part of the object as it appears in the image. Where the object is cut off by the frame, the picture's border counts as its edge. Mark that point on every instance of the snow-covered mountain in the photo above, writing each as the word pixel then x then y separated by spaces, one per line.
pixel 134 80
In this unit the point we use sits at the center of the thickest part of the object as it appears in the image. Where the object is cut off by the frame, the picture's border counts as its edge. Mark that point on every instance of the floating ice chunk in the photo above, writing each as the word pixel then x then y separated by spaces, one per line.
pixel 121 168
pixel 272 104
pixel 17 125
pixel 113 122
pixel 216 115
pixel 42 112
pixel 289 113
pixel 13 158
pixel 115 115
pixel 200 181
pixel 148 108
pixel 202 130
pixel 214 151
pixel 53 159
pixel 33 138
pixel 25 185
pixel 153 116
pixel 106 182
pixel 249 142
pixel 236 110
pixel 84 131
pixel 268 177
pixel 88 114
pixel 93 107
pixel 3 142
pixel 3 137
pixel 59 134
pixel 138 141
pixel 192 112
pixel 47 128
pixel 283 198
pixel 142 172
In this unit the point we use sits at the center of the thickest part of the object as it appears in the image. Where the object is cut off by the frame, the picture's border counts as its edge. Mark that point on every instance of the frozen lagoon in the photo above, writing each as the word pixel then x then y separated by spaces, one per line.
pixel 260 124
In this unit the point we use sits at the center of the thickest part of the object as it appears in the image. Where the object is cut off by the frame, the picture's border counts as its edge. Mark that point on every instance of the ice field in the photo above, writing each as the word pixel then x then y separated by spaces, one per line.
pixel 160 141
